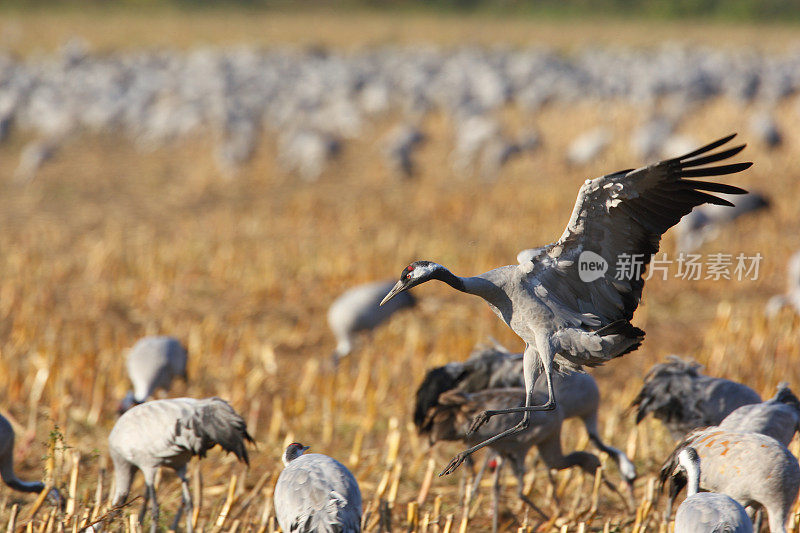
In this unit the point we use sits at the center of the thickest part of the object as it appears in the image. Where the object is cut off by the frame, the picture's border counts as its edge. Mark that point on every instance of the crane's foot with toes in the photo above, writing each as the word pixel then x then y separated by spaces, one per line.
pixel 455 463
pixel 480 420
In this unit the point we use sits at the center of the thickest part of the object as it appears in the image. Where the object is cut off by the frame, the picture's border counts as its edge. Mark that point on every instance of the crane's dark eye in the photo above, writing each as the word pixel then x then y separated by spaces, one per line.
pixel 408 276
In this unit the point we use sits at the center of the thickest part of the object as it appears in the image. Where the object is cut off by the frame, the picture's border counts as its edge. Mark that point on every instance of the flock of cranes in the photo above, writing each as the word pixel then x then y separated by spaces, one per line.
pixel 508 402
pixel 312 102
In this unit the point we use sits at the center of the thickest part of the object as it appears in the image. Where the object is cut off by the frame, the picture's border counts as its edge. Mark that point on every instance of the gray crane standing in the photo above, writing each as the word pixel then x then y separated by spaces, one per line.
pixel 358 310
pixel 568 313
pixel 778 417
pixel 169 433
pixel 152 364
pixel 450 420
pixel 676 393
pixel 316 494
pixel 495 367
pixel 702 512
pixel 751 468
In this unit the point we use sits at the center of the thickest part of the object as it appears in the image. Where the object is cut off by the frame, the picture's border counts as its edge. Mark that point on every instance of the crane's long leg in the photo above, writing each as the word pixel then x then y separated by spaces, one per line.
pixel 496 492
pixel 477 482
pixel 518 466
pixel 144 505
pixel 529 366
pixel 461 457
pixel 530 369
pixel 187 507
pixel 153 508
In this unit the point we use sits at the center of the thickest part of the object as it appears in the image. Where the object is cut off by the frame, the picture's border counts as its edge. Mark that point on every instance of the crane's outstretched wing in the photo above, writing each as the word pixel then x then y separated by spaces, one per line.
pixel 619 220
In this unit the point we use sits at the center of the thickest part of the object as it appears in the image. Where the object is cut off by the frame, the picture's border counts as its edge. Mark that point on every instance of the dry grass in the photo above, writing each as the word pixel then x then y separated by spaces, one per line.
pixel 38 31
pixel 109 244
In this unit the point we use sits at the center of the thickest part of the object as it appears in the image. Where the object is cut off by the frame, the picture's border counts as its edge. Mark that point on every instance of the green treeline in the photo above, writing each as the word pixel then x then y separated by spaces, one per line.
pixel 741 10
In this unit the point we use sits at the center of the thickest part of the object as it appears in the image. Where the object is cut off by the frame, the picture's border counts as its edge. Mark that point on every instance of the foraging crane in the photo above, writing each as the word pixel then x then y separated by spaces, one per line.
pixel 570 315
pixel 399 146
pixel 792 295
pixel 676 393
pixel 577 393
pixel 169 433
pixel 316 493
pixel 751 468
pixel 152 364
pixel 450 421
pixel 358 310
pixel 706 221
pixel 7 464
pixel 588 146
pixel 778 417
pixel 701 512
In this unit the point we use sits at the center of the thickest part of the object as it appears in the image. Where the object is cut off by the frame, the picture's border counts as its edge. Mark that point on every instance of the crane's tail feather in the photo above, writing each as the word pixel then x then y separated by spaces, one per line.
pixel 215 422
pixel 333 517
pixel 785 395
pixel 578 347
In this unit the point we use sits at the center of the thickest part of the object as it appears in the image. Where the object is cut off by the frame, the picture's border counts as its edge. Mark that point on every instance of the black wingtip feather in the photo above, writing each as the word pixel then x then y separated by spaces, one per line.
pixel 713 158
pixel 706 148
pixel 720 170
pixel 711 186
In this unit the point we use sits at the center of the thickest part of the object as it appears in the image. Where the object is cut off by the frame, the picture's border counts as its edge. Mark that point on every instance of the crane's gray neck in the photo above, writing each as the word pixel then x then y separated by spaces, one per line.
pixel 690 462
pixel 475 285
pixel 553 459
pixel 11 479
pixel 588 462
pixel 23 486
pixel 626 467
pixel 442 274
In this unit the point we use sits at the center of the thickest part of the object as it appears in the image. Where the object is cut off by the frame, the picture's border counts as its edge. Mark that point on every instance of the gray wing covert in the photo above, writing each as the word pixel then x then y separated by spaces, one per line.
pixel 317 493
pixel 623 215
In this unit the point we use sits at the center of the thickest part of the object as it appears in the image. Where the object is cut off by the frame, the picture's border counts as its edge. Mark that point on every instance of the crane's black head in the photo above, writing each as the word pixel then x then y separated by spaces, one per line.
pixel 127 402
pixel 414 274
pixel 293 451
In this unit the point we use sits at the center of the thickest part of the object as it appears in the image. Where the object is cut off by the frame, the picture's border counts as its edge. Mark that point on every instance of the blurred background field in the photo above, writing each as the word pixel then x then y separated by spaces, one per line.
pixel 112 239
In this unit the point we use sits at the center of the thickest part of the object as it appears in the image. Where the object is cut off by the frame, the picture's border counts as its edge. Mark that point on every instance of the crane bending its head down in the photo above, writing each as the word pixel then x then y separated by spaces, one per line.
pixel 316 493
pixel 570 316
pixel 707 511
pixel 169 433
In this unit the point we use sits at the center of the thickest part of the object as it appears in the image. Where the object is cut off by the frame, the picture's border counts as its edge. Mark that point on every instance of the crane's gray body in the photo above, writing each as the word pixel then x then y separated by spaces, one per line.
pixel 676 393
pixel 7 461
pixel 778 417
pixel 451 419
pixel 152 364
pixel 544 431
pixel 358 310
pixel 707 512
pixel 169 433
pixel 316 493
pixel 577 393
pixel 751 468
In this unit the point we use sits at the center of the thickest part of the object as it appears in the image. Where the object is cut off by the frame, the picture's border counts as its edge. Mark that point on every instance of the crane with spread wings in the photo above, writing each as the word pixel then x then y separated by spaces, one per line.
pixel 572 303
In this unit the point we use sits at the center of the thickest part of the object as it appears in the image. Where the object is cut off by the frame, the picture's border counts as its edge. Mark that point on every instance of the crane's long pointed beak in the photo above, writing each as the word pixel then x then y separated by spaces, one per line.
pixel 398 287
